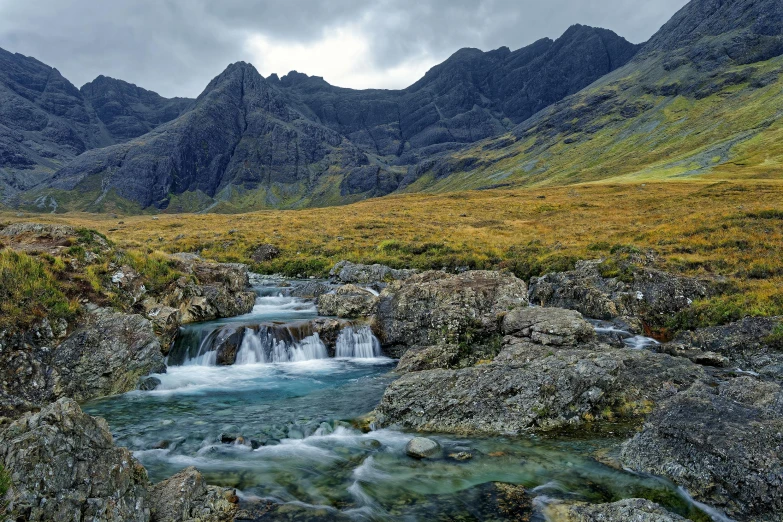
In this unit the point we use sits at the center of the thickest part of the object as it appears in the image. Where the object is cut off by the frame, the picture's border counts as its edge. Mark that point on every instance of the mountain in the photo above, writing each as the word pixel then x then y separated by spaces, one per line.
pixel 129 111
pixel 252 142
pixel 45 121
pixel 703 97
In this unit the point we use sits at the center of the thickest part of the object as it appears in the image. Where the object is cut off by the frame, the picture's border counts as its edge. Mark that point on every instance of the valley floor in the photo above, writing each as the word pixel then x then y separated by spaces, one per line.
pixel 731 230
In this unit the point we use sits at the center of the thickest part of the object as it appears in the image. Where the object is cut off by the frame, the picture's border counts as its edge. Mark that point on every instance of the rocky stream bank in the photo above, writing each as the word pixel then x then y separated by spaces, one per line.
pixel 481 353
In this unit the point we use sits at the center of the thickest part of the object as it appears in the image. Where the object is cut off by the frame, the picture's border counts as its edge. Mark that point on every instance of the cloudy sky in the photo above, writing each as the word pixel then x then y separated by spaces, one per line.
pixel 175 47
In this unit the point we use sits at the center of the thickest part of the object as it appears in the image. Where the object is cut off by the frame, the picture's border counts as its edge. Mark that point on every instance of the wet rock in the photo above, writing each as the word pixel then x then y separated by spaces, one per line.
pixel 106 356
pixel 646 293
pixel 571 389
pixel 227 344
pixel 748 344
pixel 347 272
pixel 186 497
pixel 435 307
pixel 422 448
pixel 264 252
pixel 721 443
pixel 461 456
pixel 64 466
pixel 149 383
pixel 636 509
pixel 348 301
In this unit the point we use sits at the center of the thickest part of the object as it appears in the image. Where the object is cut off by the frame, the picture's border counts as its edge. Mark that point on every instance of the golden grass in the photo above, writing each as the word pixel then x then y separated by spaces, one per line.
pixel 732 230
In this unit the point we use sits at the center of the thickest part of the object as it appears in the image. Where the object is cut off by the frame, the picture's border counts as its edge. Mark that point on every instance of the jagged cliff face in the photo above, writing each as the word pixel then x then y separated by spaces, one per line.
pixel 128 111
pixel 45 121
pixel 250 142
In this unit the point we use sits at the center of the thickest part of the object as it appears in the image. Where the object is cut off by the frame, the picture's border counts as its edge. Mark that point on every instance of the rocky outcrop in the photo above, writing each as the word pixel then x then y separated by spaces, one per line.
pixel 419 358
pixel 222 290
pixel 349 302
pixel 646 294
pixel 531 333
pixel 566 390
pixel 749 344
pixel 106 356
pixel 435 307
pixel 723 444
pixel 636 509
pixel 64 466
pixel 347 272
pixel 310 289
pixel 548 326
pixel 264 252
pixel 186 497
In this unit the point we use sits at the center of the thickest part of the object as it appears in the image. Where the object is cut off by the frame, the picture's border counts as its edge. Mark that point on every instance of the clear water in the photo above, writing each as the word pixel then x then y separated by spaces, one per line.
pixel 282 432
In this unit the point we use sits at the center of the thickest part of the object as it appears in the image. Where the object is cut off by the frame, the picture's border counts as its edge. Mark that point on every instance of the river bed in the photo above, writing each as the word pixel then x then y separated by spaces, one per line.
pixel 282 432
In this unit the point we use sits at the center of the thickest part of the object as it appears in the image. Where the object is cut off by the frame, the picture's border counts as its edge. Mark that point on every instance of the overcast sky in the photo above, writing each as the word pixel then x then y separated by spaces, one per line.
pixel 175 47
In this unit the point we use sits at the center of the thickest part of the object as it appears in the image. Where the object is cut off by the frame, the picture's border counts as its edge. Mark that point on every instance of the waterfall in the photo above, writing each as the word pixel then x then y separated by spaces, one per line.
pixel 266 347
pixel 269 343
pixel 357 344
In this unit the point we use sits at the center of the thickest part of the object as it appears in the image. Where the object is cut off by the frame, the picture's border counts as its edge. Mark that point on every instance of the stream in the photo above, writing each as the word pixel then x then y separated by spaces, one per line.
pixel 276 425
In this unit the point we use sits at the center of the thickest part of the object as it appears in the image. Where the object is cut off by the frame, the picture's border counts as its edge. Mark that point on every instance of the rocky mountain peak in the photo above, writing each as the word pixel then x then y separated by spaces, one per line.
pixel 716 31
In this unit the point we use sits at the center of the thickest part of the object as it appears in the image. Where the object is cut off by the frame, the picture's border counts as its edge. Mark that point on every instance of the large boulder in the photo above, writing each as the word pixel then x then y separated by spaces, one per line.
pixel 645 293
pixel 64 466
pixel 435 307
pixel 567 389
pixel 723 444
pixel 534 332
pixel 221 290
pixel 264 252
pixel 205 302
pixel 349 302
pixel 548 326
pixel 749 344
pixel 105 356
pixel 186 497
pixel 422 448
pixel 347 272
pixel 635 509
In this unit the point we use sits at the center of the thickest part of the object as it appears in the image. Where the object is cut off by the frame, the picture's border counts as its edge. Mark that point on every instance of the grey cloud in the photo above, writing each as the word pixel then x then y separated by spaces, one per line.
pixel 176 46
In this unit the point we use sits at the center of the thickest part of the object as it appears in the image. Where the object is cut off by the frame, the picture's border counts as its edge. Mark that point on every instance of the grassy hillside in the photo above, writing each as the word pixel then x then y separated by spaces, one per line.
pixel 640 123
pixel 728 231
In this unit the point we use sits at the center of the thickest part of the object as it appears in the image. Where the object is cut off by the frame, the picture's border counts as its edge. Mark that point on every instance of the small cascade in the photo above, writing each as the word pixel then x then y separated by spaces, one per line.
pixel 267 346
pixel 357 344
pixel 611 333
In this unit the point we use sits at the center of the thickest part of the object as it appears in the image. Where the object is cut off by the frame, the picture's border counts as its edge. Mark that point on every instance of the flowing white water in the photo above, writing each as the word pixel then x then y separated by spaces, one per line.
pixel 357 344
pixel 635 342
pixel 264 347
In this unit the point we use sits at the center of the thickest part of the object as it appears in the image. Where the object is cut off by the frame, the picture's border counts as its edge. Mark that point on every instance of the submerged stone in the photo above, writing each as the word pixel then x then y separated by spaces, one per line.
pixel 422 448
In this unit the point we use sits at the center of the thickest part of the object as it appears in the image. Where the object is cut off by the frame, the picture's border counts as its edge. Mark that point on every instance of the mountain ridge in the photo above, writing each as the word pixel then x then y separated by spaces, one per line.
pixel 588 106
pixel 319 144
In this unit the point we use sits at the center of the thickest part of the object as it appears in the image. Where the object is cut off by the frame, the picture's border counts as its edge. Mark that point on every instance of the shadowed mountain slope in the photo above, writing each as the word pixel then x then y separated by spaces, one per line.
pixel 295 141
